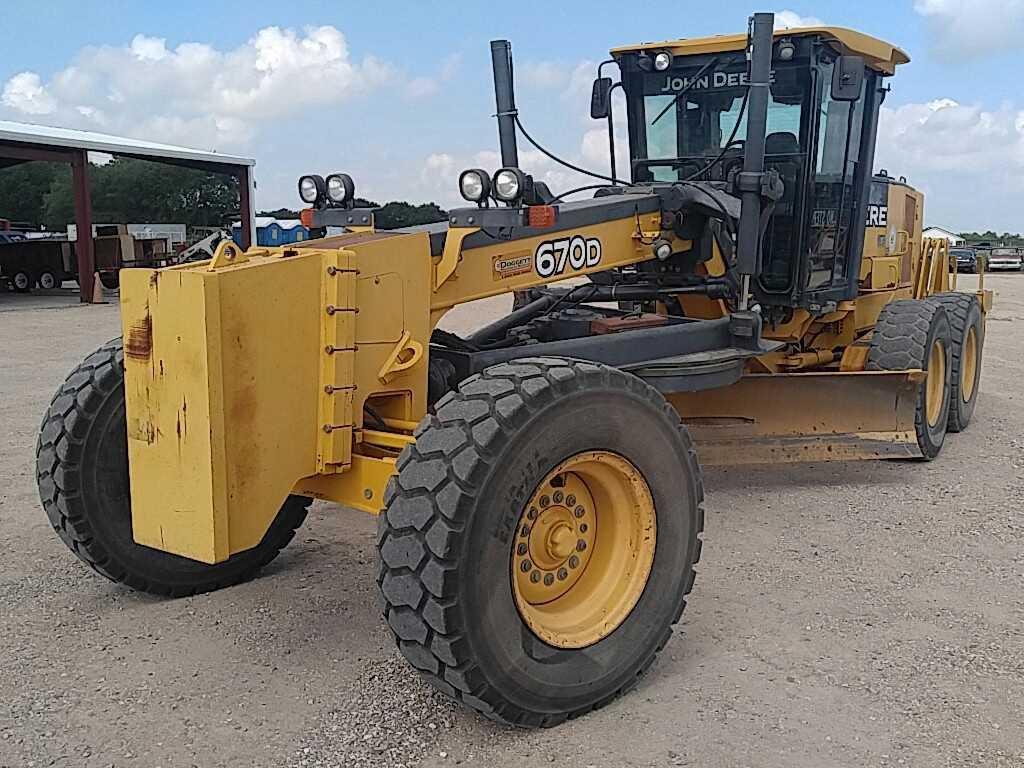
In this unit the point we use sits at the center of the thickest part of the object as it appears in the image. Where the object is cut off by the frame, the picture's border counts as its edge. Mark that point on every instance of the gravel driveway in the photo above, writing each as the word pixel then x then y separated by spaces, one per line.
pixel 861 614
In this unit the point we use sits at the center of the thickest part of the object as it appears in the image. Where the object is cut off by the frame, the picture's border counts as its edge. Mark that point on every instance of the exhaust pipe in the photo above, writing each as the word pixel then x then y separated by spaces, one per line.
pixel 505 100
pixel 748 252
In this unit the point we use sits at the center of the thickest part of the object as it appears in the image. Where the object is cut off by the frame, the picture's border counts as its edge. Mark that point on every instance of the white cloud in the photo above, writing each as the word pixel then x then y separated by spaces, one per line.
pixel 968 160
pixel 586 147
pixel 966 28
pixel 790 19
pixel 544 74
pixel 423 86
pixel 148 48
pixel 26 93
pixel 194 93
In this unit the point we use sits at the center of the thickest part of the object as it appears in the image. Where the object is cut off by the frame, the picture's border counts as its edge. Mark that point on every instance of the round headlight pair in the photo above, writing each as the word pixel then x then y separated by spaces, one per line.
pixel 338 188
pixel 507 185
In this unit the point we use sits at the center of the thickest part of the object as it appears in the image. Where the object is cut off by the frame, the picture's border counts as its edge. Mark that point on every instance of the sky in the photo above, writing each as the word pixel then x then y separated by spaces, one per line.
pixel 399 94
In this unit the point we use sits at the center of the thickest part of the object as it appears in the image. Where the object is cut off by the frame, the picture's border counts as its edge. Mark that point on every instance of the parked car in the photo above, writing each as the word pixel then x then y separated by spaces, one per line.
pixel 966 259
pixel 1005 258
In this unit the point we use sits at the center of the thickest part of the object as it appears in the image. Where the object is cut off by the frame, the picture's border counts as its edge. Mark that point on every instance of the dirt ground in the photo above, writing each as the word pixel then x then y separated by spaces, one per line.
pixel 861 614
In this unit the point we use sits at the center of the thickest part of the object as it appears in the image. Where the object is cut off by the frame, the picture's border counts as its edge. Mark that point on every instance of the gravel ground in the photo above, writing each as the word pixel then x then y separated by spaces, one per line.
pixel 844 615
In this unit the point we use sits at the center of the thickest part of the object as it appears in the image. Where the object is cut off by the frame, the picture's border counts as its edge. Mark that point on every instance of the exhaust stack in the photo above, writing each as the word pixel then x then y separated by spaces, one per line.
pixel 505 100
pixel 748 256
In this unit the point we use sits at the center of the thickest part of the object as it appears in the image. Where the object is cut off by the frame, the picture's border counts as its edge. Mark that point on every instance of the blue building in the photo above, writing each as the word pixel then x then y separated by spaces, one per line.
pixel 271 232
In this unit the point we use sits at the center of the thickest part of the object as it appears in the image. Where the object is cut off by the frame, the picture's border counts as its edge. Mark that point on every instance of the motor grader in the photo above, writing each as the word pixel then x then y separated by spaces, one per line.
pixel 752 292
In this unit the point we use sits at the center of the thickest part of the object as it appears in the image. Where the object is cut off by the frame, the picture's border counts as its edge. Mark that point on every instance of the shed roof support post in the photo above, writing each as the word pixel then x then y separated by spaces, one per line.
pixel 83 223
pixel 247 210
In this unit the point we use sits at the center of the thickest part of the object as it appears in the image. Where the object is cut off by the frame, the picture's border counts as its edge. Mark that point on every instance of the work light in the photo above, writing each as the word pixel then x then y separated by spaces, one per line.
pixel 662 61
pixel 508 184
pixel 311 188
pixel 340 188
pixel 475 185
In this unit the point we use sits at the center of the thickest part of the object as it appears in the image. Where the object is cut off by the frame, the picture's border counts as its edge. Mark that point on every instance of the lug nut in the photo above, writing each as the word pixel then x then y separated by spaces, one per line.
pixel 545 501
pixel 581 545
pixel 527 565
pixel 574 561
pixel 583 527
pixel 548 580
pixel 570 500
pixel 562 574
pixel 525 531
pixel 535 577
pixel 558 496
pixel 532 514
pixel 521 549
pixel 578 511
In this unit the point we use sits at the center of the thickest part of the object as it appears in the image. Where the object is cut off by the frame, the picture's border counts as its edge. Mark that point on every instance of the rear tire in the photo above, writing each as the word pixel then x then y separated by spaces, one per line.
pixel 968 335
pixel 453 528
pixel 48 280
pixel 82 474
pixel 913 334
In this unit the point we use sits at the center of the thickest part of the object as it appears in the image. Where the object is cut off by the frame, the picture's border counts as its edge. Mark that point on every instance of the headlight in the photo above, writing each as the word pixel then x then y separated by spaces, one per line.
pixel 311 189
pixel 475 185
pixel 508 184
pixel 340 188
pixel 663 61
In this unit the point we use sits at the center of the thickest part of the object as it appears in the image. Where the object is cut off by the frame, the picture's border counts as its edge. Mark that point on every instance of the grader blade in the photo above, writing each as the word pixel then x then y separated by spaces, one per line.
pixel 804 417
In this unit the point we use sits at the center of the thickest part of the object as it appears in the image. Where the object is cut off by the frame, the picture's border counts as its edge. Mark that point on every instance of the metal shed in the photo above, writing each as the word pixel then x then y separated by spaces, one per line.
pixel 25 142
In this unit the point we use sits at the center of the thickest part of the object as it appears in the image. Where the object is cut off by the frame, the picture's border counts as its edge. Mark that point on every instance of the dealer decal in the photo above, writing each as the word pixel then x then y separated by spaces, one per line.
pixel 553 257
pixel 510 265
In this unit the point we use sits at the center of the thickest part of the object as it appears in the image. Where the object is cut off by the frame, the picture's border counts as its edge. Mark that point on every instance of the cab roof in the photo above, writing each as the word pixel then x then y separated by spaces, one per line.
pixel 878 54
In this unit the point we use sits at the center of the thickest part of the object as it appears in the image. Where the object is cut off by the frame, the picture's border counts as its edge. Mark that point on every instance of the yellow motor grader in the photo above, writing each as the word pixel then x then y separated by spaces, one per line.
pixel 751 292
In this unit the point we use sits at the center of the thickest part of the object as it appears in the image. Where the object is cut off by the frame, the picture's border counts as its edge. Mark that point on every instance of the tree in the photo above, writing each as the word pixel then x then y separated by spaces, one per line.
pixel 127 190
pixel 23 189
pixel 391 215
pixel 401 214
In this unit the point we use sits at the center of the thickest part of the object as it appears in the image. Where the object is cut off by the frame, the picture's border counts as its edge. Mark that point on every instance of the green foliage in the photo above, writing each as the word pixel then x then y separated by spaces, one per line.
pixel 1006 239
pixel 402 214
pixel 280 213
pixel 23 189
pixel 393 215
pixel 134 191
pixel 126 190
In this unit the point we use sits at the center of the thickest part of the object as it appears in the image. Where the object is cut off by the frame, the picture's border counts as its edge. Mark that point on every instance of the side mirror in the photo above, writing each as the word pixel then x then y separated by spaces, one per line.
pixel 600 98
pixel 847 78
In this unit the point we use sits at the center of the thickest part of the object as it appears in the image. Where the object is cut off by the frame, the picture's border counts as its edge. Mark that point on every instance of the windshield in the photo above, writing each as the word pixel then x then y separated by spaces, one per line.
pixel 698 125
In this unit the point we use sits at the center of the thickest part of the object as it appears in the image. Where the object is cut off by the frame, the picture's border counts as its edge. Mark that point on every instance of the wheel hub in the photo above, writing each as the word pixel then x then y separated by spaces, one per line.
pixel 584 548
pixel 559 535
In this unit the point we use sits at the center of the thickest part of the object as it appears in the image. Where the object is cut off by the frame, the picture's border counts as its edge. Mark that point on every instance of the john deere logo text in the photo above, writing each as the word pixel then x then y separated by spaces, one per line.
pixel 707 81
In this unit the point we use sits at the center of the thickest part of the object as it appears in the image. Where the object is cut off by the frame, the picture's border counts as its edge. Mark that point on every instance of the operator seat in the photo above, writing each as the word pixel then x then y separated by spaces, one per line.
pixel 783 154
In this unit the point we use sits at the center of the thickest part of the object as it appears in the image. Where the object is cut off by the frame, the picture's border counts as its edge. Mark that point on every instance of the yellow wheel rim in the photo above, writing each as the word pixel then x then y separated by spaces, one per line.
pixel 583 549
pixel 969 365
pixel 936 389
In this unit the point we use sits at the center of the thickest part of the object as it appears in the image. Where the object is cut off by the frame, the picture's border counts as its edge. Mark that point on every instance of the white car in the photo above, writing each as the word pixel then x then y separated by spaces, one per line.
pixel 1004 259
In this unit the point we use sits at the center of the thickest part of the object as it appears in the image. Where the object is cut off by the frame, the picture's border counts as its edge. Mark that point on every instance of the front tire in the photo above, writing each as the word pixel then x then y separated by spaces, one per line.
pixel 493 460
pixel 82 474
